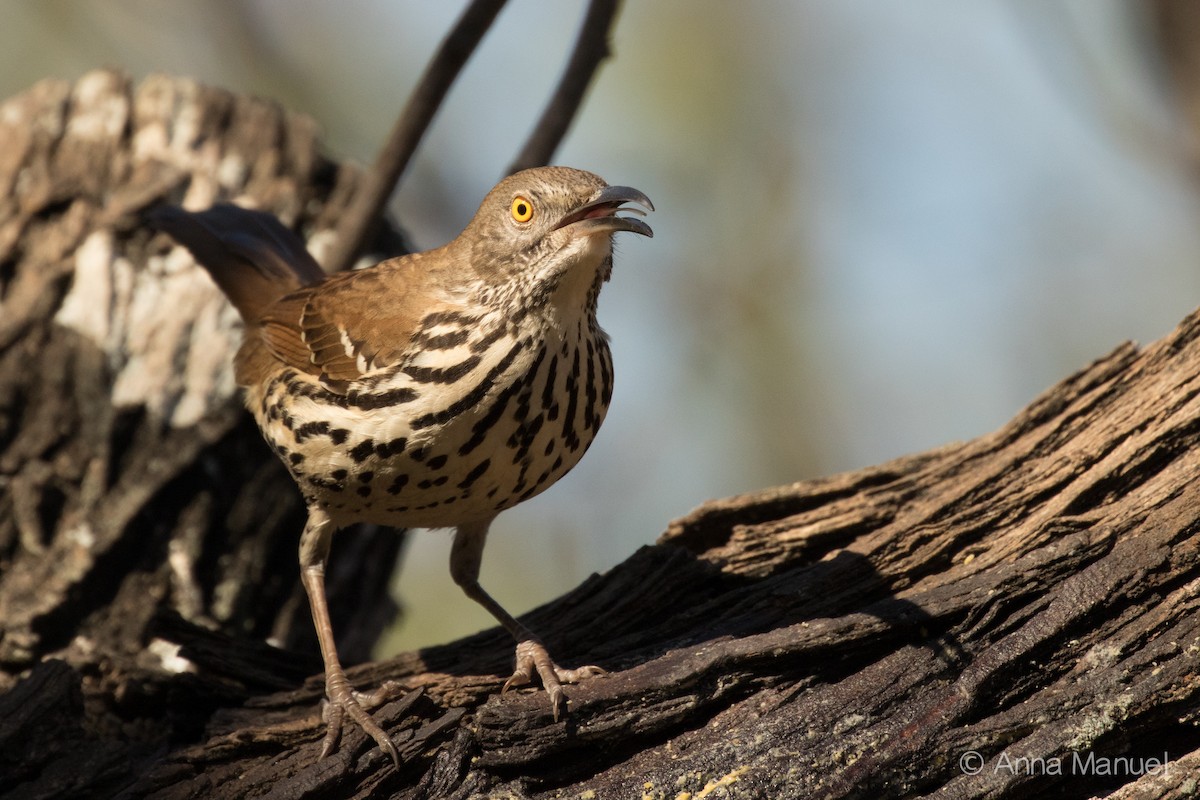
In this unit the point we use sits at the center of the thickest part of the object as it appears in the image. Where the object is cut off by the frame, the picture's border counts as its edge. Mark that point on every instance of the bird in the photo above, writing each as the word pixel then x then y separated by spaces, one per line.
pixel 431 390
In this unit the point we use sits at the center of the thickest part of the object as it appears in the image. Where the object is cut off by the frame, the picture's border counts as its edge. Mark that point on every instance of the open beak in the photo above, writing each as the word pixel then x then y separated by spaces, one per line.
pixel 599 215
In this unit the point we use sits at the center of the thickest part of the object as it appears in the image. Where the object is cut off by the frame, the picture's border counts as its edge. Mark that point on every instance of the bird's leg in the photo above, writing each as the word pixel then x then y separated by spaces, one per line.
pixel 466 555
pixel 343 700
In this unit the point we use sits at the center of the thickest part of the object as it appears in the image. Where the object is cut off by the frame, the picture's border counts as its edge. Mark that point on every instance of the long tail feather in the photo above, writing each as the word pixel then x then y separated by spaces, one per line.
pixel 250 254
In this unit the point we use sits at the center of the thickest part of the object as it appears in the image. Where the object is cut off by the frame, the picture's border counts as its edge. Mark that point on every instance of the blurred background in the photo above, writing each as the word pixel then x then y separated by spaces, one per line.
pixel 881 226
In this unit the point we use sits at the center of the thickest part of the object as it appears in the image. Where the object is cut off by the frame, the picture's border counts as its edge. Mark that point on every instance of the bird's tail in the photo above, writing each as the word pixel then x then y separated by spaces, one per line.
pixel 250 254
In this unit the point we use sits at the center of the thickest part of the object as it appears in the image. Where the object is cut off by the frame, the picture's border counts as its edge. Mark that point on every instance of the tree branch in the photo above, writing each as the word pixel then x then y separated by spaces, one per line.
pixel 357 226
pixel 591 48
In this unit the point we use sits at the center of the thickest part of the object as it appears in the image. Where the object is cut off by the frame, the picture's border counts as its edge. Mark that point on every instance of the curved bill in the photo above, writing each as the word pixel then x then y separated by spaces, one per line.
pixel 599 215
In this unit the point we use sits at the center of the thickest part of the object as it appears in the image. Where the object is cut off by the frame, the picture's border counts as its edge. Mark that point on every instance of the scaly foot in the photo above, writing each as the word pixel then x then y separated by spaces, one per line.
pixel 532 657
pixel 344 701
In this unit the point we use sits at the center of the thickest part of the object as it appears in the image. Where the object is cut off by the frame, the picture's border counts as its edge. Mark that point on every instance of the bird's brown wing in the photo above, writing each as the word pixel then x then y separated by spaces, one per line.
pixel 351 325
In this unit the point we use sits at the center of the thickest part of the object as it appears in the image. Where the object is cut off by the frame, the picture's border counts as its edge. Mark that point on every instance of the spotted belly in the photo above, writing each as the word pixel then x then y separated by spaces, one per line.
pixel 428 448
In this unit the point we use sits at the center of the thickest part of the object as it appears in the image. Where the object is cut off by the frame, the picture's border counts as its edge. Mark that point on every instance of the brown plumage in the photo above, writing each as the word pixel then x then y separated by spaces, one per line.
pixel 431 390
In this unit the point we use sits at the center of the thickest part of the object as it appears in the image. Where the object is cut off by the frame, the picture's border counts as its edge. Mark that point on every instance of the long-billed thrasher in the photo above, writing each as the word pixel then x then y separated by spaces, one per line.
pixel 433 390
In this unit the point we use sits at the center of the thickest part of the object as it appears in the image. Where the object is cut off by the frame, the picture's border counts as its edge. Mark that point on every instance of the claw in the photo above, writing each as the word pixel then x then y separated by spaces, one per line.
pixel 532 657
pixel 332 713
pixel 558 701
pixel 342 701
pixel 517 680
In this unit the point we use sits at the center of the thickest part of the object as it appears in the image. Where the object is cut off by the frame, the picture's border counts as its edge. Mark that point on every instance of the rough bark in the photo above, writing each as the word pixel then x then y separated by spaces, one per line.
pixel 131 482
pixel 1030 594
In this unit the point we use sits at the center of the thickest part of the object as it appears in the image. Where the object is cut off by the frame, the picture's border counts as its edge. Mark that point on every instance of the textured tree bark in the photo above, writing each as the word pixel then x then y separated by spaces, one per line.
pixel 998 618
pixel 132 486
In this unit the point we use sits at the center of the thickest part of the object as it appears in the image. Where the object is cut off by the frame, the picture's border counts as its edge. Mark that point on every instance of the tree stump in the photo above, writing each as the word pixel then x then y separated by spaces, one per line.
pixel 1009 616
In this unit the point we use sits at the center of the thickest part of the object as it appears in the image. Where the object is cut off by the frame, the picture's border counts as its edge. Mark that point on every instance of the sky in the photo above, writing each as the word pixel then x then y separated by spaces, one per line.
pixel 881 227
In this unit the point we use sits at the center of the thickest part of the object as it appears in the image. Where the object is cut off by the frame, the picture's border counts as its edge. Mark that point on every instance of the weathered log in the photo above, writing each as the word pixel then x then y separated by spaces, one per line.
pixel 998 618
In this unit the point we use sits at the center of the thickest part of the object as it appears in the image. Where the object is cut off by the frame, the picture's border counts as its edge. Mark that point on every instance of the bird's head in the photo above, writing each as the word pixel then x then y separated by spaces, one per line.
pixel 544 235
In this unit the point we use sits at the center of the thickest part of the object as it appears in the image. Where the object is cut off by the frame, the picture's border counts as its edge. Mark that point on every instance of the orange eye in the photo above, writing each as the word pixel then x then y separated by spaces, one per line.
pixel 522 209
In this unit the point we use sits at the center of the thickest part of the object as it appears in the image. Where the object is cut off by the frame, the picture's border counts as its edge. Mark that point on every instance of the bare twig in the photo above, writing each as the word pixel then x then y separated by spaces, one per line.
pixel 591 48
pixel 363 214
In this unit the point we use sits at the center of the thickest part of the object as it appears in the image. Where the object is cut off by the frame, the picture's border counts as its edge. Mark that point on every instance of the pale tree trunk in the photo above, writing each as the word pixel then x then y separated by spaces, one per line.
pixel 134 491
pixel 1031 594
